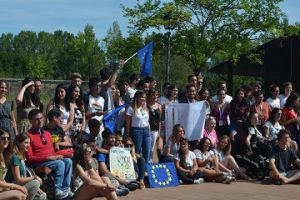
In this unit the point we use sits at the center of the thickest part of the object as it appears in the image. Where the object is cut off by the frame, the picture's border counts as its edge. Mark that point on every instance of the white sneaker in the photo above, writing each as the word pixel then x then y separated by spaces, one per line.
pixel 70 194
pixel 198 181
pixel 60 194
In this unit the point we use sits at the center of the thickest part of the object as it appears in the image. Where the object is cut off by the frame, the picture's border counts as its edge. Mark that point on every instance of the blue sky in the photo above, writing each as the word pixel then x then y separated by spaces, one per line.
pixel 73 15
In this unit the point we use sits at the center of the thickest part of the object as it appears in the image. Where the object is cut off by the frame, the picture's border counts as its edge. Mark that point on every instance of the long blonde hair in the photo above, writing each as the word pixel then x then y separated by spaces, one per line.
pixel 135 101
pixel 175 129
pixel 227 149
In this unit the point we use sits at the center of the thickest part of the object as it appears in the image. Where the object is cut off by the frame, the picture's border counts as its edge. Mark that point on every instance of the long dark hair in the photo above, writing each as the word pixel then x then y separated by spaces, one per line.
pixel 201 94
pixel 56 98
pixel 79 101
pixel 5 154
pixel 202 142
pixel 28 97
pixel 182 157
pixel 293 97
pixel 273 114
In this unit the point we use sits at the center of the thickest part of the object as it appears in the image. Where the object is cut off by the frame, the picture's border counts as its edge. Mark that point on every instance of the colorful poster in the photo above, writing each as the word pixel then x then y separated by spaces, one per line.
pixel 190 115
pixel 121 163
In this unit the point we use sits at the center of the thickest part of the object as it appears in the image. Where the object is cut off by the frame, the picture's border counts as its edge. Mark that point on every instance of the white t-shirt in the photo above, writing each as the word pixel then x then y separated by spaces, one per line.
pixel 282 99
pixel 255 132
pixel 131 92
pixel 174 147
pixel 204 156
pixel 189 159
pixel 220 154
pixel 274 103
pixel 95 104
pixel 227 99
pixel 138 119
pixel 273 129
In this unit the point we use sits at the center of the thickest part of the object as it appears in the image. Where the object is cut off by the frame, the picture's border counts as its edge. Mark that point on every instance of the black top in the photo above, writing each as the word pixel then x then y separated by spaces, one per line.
pixel 154 118
pixel 283 158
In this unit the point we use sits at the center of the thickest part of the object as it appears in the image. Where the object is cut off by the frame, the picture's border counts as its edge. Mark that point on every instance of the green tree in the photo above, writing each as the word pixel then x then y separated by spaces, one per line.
pixel 209 30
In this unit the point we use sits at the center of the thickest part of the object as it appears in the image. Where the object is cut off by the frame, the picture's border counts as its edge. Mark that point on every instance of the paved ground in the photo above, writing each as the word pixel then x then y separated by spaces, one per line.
pixel 238 190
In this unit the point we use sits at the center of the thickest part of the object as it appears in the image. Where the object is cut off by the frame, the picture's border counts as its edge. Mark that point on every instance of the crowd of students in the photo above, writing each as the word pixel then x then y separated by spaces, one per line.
pixel 69 137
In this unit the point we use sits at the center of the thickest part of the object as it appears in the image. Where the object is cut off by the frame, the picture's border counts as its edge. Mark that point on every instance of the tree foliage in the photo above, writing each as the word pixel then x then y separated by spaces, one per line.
pixel 207 31
pixel 50 55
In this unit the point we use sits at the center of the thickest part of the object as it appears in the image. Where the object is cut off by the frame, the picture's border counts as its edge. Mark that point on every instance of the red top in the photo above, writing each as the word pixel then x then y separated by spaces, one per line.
pixel 289 114
pixel 38 152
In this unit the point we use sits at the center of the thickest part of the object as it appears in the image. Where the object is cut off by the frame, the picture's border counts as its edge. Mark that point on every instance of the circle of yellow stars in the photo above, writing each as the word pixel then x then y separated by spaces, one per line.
pixel 161 183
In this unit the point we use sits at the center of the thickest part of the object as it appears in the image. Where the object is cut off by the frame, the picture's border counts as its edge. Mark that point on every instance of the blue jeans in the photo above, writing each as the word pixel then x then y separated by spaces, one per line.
pixel 142 141
pixel 62 172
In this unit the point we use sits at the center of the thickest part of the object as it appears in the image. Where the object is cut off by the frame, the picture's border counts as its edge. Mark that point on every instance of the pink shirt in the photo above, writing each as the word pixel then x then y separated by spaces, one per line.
pixel 212 136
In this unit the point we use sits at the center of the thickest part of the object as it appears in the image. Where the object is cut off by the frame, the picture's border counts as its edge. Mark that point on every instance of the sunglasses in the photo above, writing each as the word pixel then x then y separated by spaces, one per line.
pixel 88 152
pixel 42 136
pixel 97 85
pixel 5 138
pixel 128 145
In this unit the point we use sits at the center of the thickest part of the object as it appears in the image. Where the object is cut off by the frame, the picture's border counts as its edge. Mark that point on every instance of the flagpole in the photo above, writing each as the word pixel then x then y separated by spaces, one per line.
pixel 130 58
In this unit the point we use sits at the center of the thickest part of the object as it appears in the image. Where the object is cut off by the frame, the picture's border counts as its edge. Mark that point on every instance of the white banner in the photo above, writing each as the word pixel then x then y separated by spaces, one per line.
pixel 190 115
pixel 121 163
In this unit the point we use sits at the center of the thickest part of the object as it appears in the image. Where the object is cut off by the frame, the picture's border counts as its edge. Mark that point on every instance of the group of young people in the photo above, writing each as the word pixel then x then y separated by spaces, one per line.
pixel 68 136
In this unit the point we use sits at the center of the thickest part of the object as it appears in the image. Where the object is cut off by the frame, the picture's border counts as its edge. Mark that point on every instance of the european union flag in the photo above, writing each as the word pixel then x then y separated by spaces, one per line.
pixel 111 118
pixel 162 175
pixel 145 57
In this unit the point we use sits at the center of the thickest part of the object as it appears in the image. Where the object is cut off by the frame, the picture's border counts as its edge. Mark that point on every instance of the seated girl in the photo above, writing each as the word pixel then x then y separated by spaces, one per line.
pixel 138 161
pixel 208 163
pixel 17 171
pixel 86 167
pixel 173 143
pixel 186 164
pixel 226 162
pixel 8 191
pixel 210 132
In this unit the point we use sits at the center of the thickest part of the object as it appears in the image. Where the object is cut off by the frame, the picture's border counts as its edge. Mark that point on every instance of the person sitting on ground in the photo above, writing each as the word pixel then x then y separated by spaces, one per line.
pixel 54 127
pixel 138 162
pixel 173 143
pixel 94 139
pixel 41 153
pixel 104 164
pixel 208 163
pixel 91 185
pixel 17 170
pixel 8 191
pixel 186 164
pixel 226 162
pixel 210 132
pixel 282 159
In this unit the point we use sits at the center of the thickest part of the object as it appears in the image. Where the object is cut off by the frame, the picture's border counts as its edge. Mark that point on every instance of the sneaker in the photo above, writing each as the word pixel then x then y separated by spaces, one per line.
pixel 132 186
pixel 122 192
pixel 228 179
pixel 198 181
pixel 60 194
pixel 70 194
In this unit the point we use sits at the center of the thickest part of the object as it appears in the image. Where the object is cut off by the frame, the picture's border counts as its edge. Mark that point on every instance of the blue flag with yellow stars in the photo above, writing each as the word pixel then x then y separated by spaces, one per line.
pixel 162 175
pixel 145 57
pixel 111 118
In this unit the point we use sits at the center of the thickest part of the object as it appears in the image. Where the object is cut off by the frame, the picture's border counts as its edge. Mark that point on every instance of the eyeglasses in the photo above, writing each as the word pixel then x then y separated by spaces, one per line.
pixel 42 136
pixel 5 138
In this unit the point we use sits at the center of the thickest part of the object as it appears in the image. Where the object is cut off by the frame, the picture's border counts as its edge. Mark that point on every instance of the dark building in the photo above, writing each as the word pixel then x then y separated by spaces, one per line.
pixel 281 63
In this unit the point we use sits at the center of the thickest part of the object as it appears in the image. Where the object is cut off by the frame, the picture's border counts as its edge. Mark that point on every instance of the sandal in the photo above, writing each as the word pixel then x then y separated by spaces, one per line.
pixel 142 185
